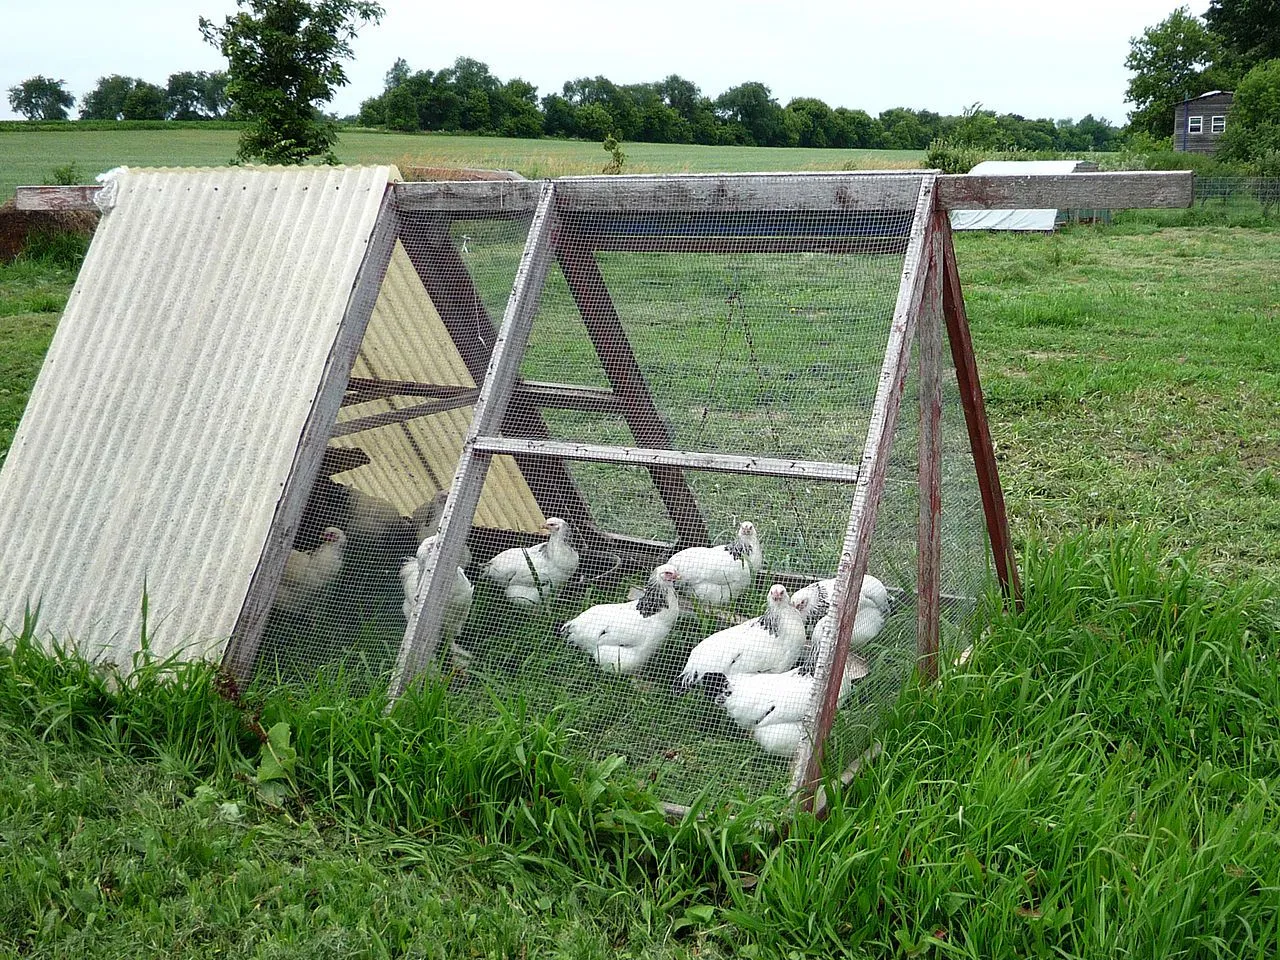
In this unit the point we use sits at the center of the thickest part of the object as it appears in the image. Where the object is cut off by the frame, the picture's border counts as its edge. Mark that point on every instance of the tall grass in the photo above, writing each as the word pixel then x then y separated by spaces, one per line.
pixel 1100 779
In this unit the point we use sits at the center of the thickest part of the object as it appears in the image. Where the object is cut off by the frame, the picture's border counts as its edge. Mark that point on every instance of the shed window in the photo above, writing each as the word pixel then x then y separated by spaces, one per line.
pixel 1217 124
pixel 1195 124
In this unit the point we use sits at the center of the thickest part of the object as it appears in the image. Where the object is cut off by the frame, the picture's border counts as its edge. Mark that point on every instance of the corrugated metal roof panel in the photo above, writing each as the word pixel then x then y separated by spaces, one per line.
pixel 152 452
pixel 411 461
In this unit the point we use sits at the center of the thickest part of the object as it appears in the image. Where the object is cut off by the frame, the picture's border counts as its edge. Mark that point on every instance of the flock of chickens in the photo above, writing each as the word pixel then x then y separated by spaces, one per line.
pixel 760 671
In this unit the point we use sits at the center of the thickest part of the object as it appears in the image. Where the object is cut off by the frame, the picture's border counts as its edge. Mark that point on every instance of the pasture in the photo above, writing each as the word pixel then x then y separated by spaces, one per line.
pixel 32 156
pixel 1100 780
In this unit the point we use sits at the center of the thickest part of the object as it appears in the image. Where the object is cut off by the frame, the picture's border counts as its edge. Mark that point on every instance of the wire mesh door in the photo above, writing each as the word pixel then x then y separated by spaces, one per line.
pixel 393 450
pixel 687 373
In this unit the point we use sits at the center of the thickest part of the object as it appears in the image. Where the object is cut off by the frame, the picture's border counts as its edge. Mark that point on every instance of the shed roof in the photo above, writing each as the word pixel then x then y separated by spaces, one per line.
pixel 165 419
pixel 1211 93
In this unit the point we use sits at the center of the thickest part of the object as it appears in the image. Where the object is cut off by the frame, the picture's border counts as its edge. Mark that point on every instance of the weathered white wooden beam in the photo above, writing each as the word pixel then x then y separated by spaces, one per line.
pixel 478 196
pixel 833 651
pixel 797 192
pixel 1066 191
pixel 862 190
pixel 76 197
pixel 649 457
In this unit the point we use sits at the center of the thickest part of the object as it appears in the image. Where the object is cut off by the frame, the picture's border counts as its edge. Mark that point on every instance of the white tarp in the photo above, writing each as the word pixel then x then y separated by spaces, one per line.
pixel 1012 219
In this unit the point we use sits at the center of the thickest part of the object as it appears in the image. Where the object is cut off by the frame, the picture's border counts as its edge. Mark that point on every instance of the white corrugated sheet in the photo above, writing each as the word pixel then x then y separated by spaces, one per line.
pixel 1012 219
pixel 168 411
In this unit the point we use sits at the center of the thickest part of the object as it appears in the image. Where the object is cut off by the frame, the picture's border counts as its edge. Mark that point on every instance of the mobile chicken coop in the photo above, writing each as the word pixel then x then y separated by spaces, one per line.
pixel 680 459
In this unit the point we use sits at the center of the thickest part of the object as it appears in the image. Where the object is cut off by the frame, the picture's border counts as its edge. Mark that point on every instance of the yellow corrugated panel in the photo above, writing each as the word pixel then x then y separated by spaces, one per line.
pixel 413 460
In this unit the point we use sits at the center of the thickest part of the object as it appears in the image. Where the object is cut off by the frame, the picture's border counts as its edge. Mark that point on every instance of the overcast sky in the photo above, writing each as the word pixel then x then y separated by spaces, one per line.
pixel 1019 56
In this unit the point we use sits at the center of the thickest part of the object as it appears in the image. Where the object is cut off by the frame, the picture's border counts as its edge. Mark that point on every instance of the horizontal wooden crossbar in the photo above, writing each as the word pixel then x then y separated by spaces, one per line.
pixel 648 457
pixel 798 192
pixel 479 197
pixel 741 193
pixel 1067 191
pixel 79 197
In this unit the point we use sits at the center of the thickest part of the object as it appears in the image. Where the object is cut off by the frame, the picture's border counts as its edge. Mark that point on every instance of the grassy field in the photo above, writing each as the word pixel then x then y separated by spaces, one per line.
pixel 32 156
pixel 1102 779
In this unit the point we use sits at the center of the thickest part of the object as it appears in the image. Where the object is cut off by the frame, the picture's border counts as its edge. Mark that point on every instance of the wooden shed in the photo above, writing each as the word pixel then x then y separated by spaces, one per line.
pixel 1200 122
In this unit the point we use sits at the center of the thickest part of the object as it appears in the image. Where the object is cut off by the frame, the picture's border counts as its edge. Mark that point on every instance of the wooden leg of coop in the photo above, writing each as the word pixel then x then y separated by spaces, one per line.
pixel 423 630
pixel 975 416
pixel 807 773
pixel 929 546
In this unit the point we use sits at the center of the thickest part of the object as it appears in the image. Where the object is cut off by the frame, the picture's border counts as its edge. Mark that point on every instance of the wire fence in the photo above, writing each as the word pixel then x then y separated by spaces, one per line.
pixel 1263 192
pixel 673 614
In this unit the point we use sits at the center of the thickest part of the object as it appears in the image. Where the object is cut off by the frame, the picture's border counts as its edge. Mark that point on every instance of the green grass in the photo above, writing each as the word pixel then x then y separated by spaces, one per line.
pixel 30 156
pixel 1100 780
pixel 1133 375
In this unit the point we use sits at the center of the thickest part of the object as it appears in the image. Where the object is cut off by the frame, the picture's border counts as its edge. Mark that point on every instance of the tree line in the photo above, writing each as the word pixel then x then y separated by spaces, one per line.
pixel 467 97
pixel 188 95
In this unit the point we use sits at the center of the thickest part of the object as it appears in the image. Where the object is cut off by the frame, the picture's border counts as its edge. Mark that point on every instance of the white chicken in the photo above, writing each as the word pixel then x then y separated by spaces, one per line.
pixel 426 521
pixel 814 601
pixel 716 576
pixel 307 574
pixel 874 606
pixel 770 643
pixel 457 608
pixel 529 574
pixel 621 637
pixel 773 707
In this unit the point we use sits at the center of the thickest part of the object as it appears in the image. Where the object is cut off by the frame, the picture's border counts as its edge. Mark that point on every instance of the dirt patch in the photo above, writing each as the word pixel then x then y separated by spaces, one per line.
pixel 16 226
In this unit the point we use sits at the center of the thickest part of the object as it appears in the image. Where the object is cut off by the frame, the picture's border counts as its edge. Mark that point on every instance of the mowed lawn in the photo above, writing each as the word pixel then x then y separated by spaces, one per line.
pixel 1101 780
pixel 30 157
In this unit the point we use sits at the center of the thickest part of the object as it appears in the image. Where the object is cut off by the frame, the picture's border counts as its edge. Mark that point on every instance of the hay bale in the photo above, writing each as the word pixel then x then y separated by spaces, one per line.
pixel 17 226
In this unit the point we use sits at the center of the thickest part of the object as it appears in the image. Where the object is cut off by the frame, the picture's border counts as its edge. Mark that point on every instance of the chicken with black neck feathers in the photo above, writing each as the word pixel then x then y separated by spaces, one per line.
pixel 622 637
pixel 769 643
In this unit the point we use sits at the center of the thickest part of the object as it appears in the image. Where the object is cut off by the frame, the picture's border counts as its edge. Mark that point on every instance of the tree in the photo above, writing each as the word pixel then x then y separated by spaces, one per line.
pixel 1250 29
pixel 41 98
pixel 1253 129
pixel 905 130
pixel 397 75
pixel 285 60
pixel 106 100
pixel 197 95
pixel 751 107
pixel 1171 62
pixel 400 110
pixel 864 131
pixel 814 123
pixel 146 101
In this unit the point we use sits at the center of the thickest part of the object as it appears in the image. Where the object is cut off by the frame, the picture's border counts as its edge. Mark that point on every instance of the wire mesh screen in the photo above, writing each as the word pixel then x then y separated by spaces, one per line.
pixel 668 487
pixel 395 446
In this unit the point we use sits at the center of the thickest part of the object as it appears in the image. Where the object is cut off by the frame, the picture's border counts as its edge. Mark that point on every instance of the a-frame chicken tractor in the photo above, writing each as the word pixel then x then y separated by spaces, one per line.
pixel 698 465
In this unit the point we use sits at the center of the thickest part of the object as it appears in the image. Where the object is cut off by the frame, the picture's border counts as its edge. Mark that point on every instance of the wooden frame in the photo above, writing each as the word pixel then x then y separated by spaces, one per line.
pixel 422 632
pixel 573 219
pixel 765 213
pixel 242 650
